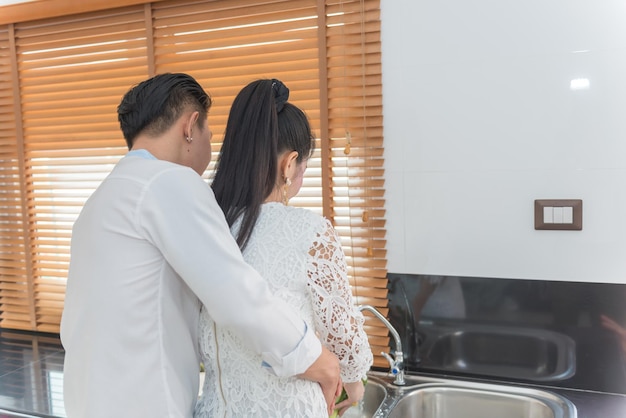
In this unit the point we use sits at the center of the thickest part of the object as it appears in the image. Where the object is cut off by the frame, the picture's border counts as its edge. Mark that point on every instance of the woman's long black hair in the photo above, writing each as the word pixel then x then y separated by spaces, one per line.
pixel 261 125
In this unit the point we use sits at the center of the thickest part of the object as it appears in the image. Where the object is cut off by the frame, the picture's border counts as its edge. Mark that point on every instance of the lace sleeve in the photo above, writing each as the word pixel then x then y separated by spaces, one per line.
pixel 338 321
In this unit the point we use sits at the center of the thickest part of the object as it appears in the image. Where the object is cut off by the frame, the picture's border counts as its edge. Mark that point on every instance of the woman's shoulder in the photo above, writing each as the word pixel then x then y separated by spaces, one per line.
pixel 294 216
pixel 279 209
pixel 319 221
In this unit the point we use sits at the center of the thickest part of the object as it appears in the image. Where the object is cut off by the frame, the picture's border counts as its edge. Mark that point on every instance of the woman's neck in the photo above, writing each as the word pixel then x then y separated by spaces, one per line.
pixel 275 196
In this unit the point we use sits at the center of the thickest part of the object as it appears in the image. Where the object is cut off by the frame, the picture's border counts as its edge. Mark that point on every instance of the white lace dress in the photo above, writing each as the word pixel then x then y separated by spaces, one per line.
pixel 299 254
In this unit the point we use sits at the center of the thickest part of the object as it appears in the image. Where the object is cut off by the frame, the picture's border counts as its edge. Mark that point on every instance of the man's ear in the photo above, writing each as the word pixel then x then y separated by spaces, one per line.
pixel 191 123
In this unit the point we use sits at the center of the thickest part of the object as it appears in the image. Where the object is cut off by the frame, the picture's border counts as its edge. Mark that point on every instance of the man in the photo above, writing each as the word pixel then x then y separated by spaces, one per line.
pixel 150 245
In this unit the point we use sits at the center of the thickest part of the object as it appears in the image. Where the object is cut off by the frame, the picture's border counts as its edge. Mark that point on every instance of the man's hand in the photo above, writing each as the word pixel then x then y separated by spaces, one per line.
pixel 325 371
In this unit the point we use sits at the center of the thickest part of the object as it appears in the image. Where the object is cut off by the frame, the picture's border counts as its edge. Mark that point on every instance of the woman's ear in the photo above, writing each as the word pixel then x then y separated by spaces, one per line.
pixel 289 164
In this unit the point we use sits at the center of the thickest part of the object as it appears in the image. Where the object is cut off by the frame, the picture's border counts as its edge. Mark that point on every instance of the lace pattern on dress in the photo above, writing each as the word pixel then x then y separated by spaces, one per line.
pixel 298 253
pixel 338 322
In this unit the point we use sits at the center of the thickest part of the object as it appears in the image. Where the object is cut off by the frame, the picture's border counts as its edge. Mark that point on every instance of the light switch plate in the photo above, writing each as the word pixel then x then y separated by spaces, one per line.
pixel 544 206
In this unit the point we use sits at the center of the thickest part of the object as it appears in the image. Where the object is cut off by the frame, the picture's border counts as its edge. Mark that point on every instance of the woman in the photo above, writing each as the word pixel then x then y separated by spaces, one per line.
pixel 261 166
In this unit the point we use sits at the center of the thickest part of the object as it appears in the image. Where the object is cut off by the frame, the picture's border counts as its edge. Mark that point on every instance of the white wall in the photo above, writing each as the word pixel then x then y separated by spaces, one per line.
pixel 480 121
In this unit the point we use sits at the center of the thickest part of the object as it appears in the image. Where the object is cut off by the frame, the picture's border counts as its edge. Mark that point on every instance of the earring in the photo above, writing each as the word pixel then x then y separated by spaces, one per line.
pixel 285 190
pixel 189 139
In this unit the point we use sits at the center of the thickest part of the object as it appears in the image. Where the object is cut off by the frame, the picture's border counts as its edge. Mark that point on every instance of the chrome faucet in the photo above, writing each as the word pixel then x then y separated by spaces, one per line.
pixel 396 363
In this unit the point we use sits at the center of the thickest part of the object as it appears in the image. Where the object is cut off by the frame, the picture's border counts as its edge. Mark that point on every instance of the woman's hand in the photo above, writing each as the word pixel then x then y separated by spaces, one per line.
pixel 355 392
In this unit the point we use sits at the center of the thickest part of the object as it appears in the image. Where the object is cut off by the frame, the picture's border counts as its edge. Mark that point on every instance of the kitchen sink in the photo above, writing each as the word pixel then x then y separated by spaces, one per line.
pixel 519 353
pixel 479 401
pixel 375 394
pixel 433 397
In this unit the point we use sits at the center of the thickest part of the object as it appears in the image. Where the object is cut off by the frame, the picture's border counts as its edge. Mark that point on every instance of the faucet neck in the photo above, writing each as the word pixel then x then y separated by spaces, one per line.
pixel 396 363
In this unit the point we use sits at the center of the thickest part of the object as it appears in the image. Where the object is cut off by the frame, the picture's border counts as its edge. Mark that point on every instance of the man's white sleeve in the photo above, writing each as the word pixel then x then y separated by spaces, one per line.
pixel 180 216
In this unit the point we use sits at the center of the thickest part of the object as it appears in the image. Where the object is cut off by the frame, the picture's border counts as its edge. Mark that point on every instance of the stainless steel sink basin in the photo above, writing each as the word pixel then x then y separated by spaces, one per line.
pixel 374 396
pixel 480 401
pixel 434 397
pixel 519 353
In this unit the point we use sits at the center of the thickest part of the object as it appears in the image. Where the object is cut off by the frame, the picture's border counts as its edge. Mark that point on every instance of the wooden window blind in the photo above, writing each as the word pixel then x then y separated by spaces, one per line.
pixel 355 151
pixel 61 79
pixel 16 287
pixel 72 71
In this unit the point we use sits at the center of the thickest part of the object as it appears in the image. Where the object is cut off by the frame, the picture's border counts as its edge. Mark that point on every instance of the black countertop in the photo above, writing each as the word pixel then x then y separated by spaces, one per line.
pixel 595 404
